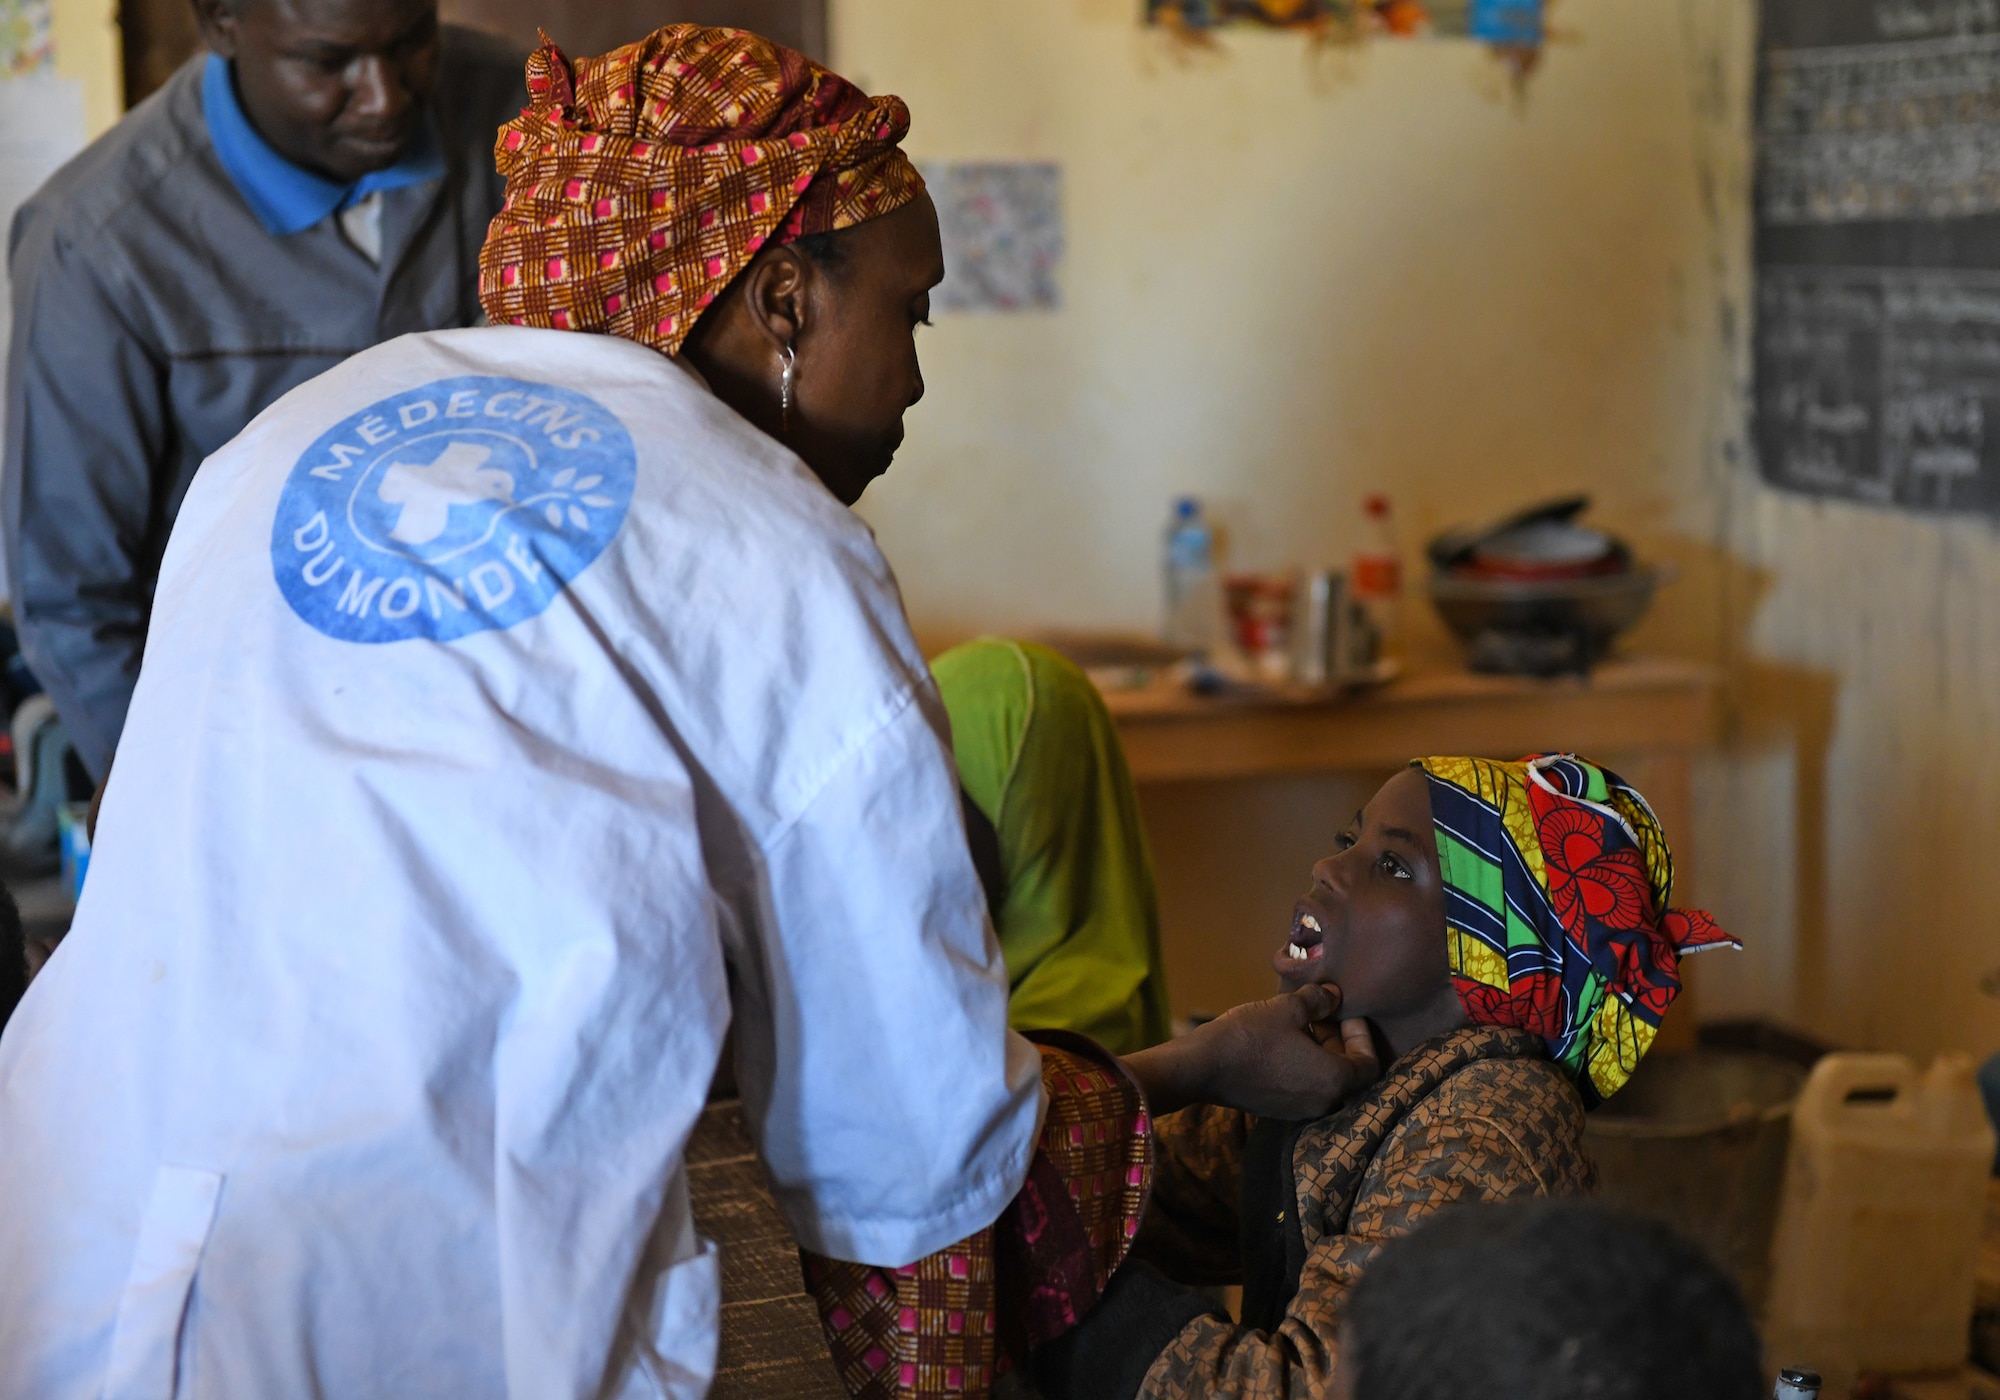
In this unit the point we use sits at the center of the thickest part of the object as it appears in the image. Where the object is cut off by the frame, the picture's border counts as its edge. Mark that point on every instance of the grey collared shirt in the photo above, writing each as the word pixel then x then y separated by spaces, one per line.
pixel 154 318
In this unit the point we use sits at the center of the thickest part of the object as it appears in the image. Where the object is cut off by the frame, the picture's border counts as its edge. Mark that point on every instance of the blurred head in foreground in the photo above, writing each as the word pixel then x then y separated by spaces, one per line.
pixel 1546 1300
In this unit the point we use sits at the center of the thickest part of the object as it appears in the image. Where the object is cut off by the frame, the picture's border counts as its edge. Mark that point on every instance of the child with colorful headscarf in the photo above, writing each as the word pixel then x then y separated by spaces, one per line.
pixel 1506 930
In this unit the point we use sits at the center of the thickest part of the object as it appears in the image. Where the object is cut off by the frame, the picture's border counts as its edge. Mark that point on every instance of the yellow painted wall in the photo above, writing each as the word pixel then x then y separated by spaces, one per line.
pixel 1295 277
pixel 85 34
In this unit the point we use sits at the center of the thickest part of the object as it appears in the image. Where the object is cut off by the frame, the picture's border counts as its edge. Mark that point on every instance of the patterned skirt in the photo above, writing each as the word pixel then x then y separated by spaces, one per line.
pixel 955 1320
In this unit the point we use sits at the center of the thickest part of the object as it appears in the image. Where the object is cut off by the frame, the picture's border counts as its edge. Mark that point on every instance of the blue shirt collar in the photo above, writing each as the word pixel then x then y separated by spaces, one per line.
pixel 286 197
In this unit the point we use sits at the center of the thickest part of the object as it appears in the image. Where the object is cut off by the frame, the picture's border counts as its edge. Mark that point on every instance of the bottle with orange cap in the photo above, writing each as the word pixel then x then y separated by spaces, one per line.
pixel 1377 576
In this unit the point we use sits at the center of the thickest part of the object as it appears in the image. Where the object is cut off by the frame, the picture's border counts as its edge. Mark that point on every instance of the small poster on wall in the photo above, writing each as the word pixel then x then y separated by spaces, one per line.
pixel 26 45
pixel 1003 234
pixel 1513 24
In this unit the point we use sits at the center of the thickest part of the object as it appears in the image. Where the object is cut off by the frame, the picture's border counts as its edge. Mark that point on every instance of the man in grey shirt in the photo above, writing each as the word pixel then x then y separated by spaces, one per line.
pixel 319 182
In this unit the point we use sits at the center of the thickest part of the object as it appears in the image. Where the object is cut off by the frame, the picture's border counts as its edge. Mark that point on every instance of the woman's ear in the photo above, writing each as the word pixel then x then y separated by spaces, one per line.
pixel 774 295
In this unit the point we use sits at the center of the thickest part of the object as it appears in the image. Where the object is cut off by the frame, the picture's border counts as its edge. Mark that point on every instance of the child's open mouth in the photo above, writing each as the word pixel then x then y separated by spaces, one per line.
pixel 1307 935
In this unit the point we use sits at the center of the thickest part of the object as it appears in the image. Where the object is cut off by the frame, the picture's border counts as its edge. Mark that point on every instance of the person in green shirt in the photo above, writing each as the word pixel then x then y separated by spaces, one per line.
pixel 1068 876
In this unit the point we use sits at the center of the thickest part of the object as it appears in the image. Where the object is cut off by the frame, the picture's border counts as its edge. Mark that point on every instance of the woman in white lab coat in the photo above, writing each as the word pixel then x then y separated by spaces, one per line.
pixel 521 707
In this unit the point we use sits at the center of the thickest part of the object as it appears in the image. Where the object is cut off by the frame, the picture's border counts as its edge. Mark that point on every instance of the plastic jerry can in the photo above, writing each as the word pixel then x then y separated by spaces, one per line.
pixel 1879 1223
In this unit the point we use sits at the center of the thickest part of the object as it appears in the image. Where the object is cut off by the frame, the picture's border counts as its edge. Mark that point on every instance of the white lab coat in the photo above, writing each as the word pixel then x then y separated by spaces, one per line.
pixel 512 711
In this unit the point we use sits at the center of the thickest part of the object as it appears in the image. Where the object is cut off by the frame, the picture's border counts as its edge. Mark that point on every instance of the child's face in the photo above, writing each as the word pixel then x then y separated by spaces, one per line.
pixel 1373 922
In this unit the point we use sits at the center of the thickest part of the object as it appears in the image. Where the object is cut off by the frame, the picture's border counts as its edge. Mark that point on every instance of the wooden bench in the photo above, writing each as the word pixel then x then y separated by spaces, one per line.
pixel 772 1346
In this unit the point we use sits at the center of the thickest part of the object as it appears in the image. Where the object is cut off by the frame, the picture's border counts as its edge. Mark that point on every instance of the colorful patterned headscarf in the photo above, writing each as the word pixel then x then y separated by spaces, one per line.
pixel 1558 882
pixel 640 183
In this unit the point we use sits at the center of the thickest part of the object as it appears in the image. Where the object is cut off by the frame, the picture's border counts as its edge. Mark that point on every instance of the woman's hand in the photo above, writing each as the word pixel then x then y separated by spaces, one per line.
pixel 1283 1058
pixel 1279 1058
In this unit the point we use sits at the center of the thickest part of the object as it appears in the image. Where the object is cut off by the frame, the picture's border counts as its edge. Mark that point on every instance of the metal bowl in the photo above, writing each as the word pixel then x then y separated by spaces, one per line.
pixel 1541 627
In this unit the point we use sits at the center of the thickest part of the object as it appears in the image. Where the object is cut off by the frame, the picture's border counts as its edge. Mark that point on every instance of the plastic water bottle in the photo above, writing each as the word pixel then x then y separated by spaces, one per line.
pixel 1796 1383
pixel 1190 579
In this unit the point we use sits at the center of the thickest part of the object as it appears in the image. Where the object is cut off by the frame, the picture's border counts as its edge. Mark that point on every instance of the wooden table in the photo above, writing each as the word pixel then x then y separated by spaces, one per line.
pixel 1647 707
pixel 1645 718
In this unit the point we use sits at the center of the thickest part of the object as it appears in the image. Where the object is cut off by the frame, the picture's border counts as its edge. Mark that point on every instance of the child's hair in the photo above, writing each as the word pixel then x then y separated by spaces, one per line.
pixel 1548 1300
pixel 13 955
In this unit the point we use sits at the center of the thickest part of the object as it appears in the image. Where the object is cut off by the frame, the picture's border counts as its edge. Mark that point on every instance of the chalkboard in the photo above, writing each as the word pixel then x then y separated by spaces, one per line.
pixel 1877 342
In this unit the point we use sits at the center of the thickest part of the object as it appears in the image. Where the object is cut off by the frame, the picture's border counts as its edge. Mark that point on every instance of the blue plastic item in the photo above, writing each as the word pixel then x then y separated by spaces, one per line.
pixel 1190 579
pixel 1515 23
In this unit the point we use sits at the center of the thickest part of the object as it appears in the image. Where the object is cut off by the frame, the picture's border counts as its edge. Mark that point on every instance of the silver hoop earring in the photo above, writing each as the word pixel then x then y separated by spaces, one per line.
pixel 785 381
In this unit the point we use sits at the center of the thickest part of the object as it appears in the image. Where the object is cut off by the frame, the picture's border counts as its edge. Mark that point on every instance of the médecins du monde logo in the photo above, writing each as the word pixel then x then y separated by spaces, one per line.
pixel 464 505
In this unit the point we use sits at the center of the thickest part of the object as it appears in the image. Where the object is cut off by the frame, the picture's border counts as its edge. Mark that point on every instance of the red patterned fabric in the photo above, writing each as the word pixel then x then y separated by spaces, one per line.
pixel 954 1320
pixel 922 1330
pixel 641 183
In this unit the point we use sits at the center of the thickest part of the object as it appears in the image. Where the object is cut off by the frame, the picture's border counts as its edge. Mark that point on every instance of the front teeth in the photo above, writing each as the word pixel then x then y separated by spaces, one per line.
pixel 1308 921
pixel 1297 953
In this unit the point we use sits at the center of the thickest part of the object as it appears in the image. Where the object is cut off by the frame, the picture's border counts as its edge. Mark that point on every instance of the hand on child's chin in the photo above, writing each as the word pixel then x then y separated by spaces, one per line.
pixel 1265 1066
pixel 1291 982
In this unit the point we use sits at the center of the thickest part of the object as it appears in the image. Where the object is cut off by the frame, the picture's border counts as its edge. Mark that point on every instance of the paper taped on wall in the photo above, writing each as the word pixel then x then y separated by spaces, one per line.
pixel 1003 235
pixel 26 39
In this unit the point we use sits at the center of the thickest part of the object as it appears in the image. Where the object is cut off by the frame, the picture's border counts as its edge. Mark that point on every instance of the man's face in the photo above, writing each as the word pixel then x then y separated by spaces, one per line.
pixel 337 86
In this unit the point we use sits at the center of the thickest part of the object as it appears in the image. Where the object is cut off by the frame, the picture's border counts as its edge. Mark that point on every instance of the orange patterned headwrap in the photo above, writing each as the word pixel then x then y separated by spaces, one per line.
pixel 640 183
